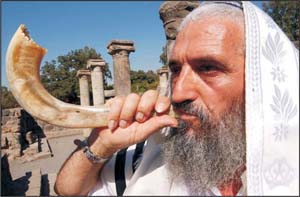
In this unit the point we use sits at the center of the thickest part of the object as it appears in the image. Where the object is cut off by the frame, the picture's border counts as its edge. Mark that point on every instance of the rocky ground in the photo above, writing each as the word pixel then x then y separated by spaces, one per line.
pixel 38 177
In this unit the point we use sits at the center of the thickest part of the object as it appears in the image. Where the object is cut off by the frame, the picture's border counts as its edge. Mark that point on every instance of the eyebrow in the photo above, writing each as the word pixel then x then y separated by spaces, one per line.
pixel 204 59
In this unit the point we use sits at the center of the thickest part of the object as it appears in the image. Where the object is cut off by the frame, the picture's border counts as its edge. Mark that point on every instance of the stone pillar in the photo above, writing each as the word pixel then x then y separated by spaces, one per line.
pixel 97 66
pixel 84 87
pixel 172 13
pixel 120 49
pixel 163 80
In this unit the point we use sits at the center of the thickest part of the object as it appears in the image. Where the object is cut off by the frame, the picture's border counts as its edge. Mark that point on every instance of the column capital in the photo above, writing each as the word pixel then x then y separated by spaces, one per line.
pixel 115 46
pixel 92 63
pixel 82 72
pixel 162 71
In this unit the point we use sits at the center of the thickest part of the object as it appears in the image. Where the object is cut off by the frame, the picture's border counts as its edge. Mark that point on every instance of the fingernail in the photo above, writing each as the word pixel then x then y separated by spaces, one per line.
pixel 123 123
pixel 160 107
pixel 111 124
pixel 139 116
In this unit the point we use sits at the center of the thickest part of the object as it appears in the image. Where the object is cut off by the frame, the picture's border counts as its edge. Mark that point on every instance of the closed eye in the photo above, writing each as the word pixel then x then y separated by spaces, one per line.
pixel 174 68
pixel 209 68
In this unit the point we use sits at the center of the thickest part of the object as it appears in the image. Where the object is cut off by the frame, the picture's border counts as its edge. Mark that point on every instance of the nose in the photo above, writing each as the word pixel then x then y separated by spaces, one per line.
pixel 184 86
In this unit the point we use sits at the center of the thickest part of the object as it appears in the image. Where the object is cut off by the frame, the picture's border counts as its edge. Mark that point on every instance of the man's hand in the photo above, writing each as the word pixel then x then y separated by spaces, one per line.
pixel 131 121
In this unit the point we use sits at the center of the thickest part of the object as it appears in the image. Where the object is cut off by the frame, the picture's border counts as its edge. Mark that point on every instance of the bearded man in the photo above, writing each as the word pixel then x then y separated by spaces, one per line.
pixel 234 88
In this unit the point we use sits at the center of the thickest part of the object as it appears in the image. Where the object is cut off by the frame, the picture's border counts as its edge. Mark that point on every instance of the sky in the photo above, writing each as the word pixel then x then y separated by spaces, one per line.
pixel 62 26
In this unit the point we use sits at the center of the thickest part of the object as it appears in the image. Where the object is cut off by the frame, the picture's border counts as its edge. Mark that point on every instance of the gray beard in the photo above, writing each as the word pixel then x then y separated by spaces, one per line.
pixel 209 155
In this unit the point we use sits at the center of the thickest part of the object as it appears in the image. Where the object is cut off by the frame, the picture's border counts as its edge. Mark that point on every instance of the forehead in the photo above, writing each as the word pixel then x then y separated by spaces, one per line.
pixel 208 37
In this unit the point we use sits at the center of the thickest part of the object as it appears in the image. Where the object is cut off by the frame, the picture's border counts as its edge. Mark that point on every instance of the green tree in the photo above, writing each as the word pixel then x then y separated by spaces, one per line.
pixel 286 15
pixel 59 76
pixel 7 99
pixel 142 81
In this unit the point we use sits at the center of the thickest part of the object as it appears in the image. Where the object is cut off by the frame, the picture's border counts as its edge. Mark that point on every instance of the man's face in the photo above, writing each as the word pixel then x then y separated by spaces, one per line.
pixel 207 65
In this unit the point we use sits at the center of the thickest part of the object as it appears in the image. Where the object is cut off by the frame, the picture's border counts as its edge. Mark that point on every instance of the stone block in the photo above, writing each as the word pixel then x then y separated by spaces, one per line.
pixel 13 140
pixel 13 154
pixel 17 112
pixel 5 129
pixel 15 128
pixel 5 112
pixel 109 93
pixel 27 158
pixel 117 45
pixel 4 142
pixel 41 155
pixel 13 119
pixel 31 151
pixel 16 137
pixel 4 120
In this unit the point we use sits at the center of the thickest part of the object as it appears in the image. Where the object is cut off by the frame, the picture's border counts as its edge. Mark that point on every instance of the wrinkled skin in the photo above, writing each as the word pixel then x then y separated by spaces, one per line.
pixel 207 65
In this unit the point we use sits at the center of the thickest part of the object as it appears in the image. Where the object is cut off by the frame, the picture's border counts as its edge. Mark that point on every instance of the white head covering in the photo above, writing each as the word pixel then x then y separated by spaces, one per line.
pixel 272 107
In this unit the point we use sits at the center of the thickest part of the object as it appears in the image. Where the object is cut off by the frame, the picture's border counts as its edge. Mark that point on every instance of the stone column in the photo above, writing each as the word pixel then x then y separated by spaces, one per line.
pixel 120 49
pixel 84 87
pixel 97 66
pixel 172 13
pixel 163 80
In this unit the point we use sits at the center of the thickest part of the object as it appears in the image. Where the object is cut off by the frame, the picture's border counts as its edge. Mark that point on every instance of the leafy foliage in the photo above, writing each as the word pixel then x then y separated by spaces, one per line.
pixel 142 81
pixel 59 76
pixel 7 99
pixel 286 15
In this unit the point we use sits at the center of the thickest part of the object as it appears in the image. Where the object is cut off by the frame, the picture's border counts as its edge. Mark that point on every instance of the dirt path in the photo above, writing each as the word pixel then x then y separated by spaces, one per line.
pixel 61 148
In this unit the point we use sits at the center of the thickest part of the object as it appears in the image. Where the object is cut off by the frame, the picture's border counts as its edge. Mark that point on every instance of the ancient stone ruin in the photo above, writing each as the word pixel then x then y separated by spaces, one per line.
pixel 96 67
pixel 25 138
pixel 83 76
pixel 172 13
pixel 120 50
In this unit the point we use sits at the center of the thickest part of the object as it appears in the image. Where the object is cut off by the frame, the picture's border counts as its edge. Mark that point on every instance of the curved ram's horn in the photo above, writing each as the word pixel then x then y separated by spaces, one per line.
pixel 23 60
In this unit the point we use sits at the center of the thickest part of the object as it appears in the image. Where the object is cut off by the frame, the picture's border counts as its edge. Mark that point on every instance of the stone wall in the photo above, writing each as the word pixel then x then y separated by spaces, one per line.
pixel 21 132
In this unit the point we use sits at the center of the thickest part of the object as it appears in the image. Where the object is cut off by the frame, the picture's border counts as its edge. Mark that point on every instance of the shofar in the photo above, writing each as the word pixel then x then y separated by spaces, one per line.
pixel 23 61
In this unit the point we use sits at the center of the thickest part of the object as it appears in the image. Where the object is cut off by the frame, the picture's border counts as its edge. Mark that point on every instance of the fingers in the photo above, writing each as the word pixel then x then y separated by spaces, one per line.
pixel 146 105
pixel 129 110
pixel 162 105
pixel 124 111
pixel 115 110
pixel 153 125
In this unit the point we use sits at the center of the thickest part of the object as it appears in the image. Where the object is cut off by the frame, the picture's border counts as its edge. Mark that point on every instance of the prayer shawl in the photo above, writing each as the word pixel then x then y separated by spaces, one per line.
pixel 272 124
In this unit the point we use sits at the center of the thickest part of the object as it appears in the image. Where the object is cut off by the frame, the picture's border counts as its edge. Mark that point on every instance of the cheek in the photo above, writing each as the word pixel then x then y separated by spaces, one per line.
pixel 223 92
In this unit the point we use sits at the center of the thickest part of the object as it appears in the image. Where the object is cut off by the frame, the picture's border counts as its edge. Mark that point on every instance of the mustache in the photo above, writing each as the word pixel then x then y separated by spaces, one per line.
pixel 190 108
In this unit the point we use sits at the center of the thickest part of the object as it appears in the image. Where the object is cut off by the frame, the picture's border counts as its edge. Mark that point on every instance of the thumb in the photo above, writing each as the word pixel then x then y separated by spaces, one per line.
pixel 153 125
